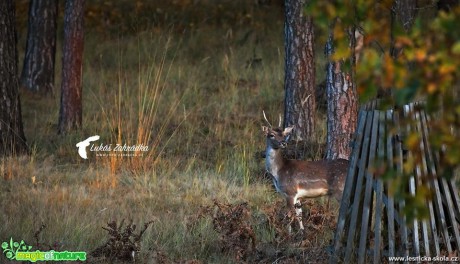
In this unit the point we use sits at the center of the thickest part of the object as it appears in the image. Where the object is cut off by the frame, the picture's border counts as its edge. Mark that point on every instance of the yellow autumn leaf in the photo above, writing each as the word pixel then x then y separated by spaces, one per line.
pixel 330 8
pixel 420 55
pixel 456 48
pixel 412 140
pixel 408 165
pixel 446 69
pixel 402 41
pixel 389 71
pixel 431 88
pixel 341 52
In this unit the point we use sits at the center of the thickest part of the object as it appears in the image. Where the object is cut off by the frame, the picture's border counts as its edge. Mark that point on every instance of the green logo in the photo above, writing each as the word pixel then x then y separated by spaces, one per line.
pixel 11 249
pixel 20 251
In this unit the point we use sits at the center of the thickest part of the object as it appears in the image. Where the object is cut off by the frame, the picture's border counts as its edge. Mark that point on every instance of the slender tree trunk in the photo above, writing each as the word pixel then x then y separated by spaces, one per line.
pixel 299 82
pixel 12 139
pixel 342 107
pixel 38 69
pixel 70 114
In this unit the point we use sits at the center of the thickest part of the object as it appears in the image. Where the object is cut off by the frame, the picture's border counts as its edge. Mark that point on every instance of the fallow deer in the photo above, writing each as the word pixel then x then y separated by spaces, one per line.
pixel 296 179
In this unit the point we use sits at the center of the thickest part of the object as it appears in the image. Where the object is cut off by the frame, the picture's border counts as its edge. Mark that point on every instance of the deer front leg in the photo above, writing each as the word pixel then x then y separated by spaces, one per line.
pixel 298 213
pixel 294 203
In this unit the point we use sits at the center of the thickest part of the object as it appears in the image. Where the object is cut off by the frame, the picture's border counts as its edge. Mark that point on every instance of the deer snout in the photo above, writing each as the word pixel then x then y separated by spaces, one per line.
pixel 283 144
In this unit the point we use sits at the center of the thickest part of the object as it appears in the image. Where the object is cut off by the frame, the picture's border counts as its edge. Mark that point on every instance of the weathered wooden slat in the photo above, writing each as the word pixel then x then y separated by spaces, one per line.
pixel 408 113
pixel 379 191
pixel 369 177
pixel 415 224
pixel 349 185
pixel 420 180
pixel 441 214
pixel 399 169
pixel 456 198
pixel 421 175
pixel 450 212
pixel 420 226
pixel 425 238
pixel 359 186
pixel 433 227
pixel 390 206
pixel 427 179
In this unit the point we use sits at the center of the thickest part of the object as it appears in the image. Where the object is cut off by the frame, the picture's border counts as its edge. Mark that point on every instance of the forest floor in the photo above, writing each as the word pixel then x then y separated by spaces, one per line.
pixel 190 82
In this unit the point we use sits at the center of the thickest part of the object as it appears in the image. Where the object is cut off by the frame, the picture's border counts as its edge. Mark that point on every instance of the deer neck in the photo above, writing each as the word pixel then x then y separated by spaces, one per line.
pixel 274 161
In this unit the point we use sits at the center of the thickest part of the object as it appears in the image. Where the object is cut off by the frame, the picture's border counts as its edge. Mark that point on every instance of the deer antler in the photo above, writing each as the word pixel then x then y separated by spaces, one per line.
pixel 265 117
pixel 279 125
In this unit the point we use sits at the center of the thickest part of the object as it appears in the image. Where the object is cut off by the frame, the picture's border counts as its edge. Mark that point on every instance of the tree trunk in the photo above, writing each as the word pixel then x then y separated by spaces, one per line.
pixel 12 139
pixel 299 82
pixel 38 70
pixel 70 114
pixel 342 106
pixel 406 11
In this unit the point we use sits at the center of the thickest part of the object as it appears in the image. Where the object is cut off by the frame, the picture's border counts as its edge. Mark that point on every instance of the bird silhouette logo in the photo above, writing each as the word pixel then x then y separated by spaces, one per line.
pixel 85 143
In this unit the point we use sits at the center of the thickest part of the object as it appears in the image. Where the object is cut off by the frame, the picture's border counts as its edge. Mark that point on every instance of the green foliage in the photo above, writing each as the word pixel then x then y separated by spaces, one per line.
pixel 420 64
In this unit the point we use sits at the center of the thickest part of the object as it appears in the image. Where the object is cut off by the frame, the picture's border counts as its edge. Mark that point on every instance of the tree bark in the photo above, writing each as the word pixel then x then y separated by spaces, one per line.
pixel 70 114
pixel 12 138
pixel 299 82
pixel 38 69
pixel 342 106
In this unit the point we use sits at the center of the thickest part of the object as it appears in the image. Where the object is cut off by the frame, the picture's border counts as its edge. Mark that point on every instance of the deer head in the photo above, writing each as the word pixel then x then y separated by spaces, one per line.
pixel 276 137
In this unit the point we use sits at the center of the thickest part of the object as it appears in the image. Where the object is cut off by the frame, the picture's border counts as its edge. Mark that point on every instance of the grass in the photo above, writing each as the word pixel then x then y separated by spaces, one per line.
pixel 192 99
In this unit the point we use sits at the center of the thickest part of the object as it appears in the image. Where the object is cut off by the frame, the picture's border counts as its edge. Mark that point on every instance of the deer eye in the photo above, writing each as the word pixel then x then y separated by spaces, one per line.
pixel 271 136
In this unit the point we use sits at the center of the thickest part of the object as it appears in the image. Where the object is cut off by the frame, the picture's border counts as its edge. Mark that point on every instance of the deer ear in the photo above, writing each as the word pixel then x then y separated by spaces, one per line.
pixel 265 130
pixel 287 131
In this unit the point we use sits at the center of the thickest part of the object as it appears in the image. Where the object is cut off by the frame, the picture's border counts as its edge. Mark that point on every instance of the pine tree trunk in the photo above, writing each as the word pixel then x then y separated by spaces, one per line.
pixel 38 69
pixel 299 82
pixel 342 108
pixel 70 114
pixel 12 139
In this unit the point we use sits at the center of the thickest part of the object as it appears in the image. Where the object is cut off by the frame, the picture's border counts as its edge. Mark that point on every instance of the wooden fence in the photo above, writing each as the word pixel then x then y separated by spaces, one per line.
pixel 371 225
